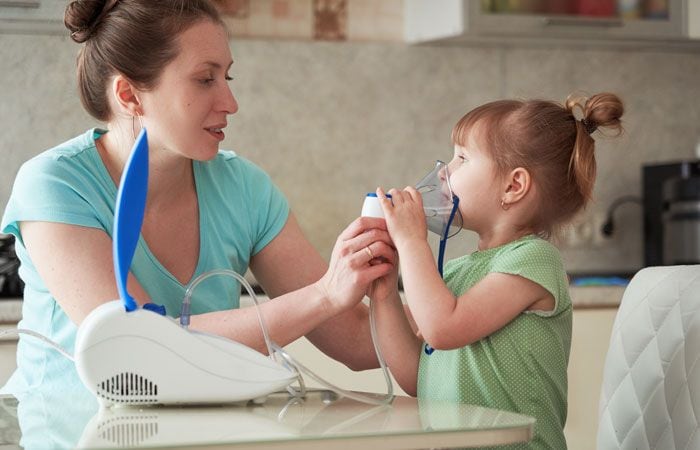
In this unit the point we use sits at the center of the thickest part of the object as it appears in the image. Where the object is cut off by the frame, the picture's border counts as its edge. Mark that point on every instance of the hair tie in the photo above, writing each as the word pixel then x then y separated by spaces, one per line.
pixel 590 127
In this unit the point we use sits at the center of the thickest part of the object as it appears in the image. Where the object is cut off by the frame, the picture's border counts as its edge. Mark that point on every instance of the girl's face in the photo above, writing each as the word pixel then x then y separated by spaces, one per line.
pixel 474 181
pixel 187 111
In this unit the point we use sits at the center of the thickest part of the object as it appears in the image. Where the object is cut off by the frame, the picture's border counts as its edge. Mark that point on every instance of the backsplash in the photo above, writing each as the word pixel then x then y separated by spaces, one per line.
pixel 329 20
pixel 332 120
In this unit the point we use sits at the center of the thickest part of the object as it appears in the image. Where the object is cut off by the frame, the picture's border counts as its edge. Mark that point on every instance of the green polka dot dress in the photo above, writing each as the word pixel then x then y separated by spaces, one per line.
pixel 522 366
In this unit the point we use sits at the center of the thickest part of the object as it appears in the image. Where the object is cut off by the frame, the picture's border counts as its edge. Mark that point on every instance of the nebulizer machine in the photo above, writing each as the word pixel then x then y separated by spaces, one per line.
pixel 131 355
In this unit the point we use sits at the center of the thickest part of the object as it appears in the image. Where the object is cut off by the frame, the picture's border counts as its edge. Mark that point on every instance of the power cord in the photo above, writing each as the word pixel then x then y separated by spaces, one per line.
pixel 608 227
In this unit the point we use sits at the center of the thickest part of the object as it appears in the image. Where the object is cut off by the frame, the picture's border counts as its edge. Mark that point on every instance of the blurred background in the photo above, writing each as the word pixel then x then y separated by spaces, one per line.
pixel 339 97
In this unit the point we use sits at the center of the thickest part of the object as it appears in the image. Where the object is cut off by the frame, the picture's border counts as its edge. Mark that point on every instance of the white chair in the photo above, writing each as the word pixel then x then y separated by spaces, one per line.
pixel 650 397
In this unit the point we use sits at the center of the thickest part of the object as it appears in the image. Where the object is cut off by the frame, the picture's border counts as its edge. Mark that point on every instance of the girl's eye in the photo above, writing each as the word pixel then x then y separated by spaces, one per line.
pixel 206 81
pixel 229 78
pixel 463 158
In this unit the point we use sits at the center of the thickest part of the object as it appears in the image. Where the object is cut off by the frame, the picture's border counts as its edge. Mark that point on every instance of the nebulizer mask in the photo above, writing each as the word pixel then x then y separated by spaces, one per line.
pixel 441 206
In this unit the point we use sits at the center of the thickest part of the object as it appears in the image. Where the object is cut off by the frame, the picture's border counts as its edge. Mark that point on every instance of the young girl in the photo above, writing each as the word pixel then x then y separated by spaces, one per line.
pixel 497 329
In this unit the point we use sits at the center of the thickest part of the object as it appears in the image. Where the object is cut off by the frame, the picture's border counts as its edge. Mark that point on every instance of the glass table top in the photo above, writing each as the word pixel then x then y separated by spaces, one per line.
pixel 321 420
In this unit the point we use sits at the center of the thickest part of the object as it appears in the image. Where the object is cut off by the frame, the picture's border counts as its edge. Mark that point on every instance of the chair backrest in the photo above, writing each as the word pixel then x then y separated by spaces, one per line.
pixel 650 397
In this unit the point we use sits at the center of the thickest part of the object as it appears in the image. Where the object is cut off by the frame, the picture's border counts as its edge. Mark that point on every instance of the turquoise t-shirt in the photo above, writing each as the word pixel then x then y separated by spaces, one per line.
pixel 521 367
pixel 240 212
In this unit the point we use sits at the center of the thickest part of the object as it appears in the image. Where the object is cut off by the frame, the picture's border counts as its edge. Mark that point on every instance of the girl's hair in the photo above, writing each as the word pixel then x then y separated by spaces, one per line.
pixel 134 38
pixel 545 138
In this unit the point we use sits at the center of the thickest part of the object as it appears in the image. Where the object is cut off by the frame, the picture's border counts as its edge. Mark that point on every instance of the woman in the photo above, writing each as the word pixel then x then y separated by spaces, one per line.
pixel 164 65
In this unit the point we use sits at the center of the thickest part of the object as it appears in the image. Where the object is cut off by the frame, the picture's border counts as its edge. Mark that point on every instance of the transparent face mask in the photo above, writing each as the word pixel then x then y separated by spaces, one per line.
pixel 440 204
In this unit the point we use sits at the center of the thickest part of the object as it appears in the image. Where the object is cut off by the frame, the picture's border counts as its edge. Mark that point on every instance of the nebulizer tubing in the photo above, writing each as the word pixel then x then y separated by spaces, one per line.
pixel 57 347
pixel 274 349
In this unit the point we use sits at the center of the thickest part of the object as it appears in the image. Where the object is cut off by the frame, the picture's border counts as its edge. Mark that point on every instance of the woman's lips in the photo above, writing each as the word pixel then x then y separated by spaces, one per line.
pixel 217 133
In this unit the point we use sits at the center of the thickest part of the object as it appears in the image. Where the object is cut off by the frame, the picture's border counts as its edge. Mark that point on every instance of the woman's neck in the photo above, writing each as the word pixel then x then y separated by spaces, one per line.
pixel 169 175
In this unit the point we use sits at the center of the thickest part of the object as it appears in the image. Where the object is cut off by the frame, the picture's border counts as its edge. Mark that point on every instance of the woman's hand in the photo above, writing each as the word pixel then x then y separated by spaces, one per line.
pixel 363 253
pixel 405 217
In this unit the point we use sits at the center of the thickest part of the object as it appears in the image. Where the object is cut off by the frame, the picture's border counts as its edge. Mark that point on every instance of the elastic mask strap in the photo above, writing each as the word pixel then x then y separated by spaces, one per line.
pixel 443 240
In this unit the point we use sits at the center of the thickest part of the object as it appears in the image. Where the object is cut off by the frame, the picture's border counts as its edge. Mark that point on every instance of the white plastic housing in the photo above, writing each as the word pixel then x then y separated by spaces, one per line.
pixel 141 357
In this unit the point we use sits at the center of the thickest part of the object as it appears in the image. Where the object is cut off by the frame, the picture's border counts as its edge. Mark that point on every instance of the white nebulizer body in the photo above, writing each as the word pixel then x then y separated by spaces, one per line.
pixel 140 357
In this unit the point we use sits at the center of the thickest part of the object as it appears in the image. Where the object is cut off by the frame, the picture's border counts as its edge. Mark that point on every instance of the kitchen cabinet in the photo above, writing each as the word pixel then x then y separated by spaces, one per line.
pixel 670 22
pixel 591 333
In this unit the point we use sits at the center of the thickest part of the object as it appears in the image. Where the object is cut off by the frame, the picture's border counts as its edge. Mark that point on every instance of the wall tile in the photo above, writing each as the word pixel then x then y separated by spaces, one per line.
pixel 279 19
pixel 330 20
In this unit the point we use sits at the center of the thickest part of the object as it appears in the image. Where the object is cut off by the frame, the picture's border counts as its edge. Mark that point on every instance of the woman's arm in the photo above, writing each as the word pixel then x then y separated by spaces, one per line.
pixel 325 302
pixel 76 266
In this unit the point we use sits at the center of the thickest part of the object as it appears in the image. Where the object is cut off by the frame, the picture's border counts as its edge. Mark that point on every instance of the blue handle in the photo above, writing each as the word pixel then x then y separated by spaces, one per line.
pixel 128 214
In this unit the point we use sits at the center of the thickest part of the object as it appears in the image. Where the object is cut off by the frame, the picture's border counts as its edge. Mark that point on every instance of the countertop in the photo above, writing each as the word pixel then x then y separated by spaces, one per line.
pixel 321 420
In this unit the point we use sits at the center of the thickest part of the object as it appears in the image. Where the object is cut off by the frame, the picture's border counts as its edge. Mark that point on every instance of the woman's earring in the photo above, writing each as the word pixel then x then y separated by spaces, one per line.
pixel 504 206
pixel 133 125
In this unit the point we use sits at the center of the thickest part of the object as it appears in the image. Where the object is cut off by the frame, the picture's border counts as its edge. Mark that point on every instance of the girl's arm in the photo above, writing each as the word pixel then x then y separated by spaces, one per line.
pixel 397 337
pixel 444 321
pixel 447 322
pixel 398 342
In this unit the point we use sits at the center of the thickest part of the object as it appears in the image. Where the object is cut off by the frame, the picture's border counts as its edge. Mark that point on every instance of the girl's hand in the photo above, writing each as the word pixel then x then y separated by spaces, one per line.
pixel 405 220
pixel 387 286
pixel 363 253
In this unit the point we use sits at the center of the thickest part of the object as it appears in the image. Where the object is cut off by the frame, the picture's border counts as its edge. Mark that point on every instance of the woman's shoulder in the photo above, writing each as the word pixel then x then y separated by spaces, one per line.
pixel 72 152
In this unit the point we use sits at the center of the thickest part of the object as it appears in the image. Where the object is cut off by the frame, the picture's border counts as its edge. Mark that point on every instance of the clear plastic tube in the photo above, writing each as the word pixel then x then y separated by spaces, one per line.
pixel 185 310
pixel 59 349
pixel 274 349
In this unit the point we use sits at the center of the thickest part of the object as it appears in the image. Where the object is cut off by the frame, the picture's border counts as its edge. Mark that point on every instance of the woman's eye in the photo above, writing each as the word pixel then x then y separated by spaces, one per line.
pixel 206 81
pixel 463 158
pixel 229 78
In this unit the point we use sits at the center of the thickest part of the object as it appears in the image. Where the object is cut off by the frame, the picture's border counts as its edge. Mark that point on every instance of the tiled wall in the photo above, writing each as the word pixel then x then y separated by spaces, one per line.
pixel 329 20
pixel 332 120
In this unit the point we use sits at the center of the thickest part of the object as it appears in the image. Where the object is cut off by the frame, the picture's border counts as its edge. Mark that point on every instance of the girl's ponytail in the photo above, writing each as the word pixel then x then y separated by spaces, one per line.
pixel 602 110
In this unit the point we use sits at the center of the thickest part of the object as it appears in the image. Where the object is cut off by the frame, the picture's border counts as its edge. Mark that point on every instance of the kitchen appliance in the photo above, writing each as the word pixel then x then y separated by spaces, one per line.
pixel 671 199
pixel 10 283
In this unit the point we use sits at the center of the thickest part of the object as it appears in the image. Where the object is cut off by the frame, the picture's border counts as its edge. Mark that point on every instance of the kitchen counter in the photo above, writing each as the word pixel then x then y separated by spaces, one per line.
pixel 320 421
pixel 591 297
pixel 582 297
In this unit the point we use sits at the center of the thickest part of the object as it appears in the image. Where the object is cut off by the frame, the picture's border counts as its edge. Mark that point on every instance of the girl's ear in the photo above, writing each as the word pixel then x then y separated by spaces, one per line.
pixel 126 96
pixel 516 186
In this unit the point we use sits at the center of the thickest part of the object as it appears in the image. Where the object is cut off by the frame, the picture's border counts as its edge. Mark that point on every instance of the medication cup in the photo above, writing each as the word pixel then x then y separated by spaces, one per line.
pixel 371 207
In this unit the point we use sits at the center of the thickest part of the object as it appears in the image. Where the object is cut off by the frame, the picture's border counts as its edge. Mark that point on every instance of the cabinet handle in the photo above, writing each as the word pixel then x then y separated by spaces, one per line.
pixel 581 22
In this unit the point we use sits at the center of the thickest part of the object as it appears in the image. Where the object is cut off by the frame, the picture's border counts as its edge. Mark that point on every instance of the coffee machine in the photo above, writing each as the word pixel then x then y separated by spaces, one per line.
pixel 671 202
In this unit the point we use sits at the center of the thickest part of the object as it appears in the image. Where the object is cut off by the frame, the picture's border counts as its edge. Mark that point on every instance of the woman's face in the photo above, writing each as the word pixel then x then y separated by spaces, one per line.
pixel 186 112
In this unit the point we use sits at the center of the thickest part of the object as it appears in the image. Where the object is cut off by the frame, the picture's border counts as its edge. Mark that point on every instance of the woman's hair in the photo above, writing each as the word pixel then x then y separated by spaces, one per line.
pixel 545 138
pixel 134 38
